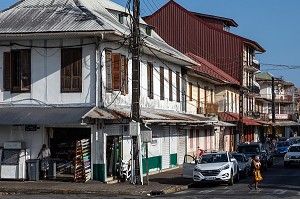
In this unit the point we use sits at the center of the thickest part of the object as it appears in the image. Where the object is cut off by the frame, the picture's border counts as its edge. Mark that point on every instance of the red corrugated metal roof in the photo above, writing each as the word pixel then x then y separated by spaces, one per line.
pixel 211 69
pixel 234 117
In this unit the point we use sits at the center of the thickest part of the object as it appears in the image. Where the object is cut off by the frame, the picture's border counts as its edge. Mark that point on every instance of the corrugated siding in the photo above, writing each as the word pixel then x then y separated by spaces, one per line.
pixel 187 33
pixel 165 147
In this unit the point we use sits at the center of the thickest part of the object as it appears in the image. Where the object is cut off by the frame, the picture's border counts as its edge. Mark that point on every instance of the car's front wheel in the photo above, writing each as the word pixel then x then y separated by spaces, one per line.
pixel 230 182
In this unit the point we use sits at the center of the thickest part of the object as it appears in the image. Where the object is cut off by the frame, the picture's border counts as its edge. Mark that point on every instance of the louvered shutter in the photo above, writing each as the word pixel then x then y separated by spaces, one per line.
pixel 124 75
pixel 108 71
pixel 26 70
pixel 170 86
pixel 162 85
pixel 177 87
pixel 7 71
pixel 76 77
pixel 71 71
pixel 150 80
pixel 65 71
pixel 116 71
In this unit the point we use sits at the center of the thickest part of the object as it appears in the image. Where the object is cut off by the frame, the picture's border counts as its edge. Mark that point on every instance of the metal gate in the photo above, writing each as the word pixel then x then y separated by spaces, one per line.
pixel 165 147
pixel 181 147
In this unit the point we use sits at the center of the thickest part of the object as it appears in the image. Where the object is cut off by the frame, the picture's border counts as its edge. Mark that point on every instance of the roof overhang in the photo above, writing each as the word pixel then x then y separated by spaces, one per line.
pixel 56 35
pixel 36 115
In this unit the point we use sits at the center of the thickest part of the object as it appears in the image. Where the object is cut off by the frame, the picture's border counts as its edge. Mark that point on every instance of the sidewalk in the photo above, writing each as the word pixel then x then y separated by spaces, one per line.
pixel 161 183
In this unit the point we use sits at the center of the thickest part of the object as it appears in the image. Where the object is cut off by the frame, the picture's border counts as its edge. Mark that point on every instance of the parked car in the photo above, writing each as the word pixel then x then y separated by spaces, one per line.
pixel 294 140
pixel 254 148
pixel 281 148
pixel 292 156
pixel 216 167
pixel 244 164
pixel 188 166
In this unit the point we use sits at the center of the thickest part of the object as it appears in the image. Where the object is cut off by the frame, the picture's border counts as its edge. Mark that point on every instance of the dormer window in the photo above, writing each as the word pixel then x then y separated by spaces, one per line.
pixel 148 31
pixel 122 17
pixel 226 28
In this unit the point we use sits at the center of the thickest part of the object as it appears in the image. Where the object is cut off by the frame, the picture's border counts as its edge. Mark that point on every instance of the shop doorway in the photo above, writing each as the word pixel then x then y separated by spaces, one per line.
pixel 113 154
pixel 63 148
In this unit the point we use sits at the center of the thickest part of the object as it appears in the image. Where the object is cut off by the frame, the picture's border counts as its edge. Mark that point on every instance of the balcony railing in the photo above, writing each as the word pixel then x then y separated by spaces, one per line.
pixel 255 65
pixel 258 116
pixel 254 89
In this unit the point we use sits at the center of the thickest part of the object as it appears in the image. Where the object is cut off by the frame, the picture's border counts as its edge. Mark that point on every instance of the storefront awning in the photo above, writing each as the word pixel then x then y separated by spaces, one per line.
pixel 221 123
pixel 286 123
pixel 151 116
pixel 42 115
pixel 234 117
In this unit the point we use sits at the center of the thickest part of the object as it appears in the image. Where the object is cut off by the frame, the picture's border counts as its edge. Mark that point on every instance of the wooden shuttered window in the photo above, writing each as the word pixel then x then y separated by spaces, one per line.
pixel 108 57
pixel 150 80
pixel 7 71
pixel 116 72
pixel 124 75
pixel 199 101
pixel 71 70
pixel 170 86
pixel 190 91
pixel 162 85
pixel 17 70
pixel 177 87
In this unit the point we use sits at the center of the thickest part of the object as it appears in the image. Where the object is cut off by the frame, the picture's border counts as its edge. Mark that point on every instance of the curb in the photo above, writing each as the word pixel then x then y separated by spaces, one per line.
pixel 17 191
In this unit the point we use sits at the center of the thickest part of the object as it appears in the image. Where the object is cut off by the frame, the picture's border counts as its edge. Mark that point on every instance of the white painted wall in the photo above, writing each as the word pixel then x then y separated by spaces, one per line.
pixel 116 98
pixel 32 140
pixel 45 74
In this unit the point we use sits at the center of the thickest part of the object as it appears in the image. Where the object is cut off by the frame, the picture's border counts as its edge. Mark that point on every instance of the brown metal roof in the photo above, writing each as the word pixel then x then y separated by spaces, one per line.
pixel 211 69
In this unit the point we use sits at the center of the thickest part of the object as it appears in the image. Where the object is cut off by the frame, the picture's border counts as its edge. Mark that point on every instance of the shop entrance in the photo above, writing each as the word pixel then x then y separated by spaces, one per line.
pixel 113 154
pixel 63 148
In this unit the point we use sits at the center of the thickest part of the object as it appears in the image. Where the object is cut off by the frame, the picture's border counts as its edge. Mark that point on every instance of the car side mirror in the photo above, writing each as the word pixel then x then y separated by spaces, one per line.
pixel 232 160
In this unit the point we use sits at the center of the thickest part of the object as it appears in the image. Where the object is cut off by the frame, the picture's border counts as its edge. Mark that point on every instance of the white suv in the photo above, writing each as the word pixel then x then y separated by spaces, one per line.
pixel 216 167
pixel 292 155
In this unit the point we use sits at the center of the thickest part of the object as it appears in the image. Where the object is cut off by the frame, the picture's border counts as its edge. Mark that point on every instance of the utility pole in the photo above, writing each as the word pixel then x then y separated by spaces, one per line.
pixel 135 107
pixel 241 103
pixel 273 108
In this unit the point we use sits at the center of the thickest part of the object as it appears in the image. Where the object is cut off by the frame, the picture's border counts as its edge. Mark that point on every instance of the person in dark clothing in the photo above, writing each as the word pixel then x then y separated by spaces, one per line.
pixel 252 169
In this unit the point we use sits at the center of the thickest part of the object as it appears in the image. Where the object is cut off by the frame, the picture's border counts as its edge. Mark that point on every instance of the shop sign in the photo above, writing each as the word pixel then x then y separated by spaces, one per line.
pixel 30 127
pixel 280 116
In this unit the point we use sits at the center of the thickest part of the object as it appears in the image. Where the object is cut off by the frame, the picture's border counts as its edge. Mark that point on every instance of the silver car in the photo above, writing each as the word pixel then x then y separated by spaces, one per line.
pixel 244 164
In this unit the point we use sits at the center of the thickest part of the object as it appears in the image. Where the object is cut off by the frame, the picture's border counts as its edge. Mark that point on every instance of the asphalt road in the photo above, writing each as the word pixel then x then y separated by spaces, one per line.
pixel 278 182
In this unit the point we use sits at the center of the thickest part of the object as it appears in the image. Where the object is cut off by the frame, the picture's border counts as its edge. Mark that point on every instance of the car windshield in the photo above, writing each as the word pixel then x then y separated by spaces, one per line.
pixel 294 149
pixel 280 144
pixel 213 158
pixel 239 158
pixel 295 141
pixel 248 149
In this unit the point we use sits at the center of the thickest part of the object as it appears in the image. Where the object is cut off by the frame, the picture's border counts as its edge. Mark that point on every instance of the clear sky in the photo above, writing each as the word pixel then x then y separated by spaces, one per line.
pixel 274 24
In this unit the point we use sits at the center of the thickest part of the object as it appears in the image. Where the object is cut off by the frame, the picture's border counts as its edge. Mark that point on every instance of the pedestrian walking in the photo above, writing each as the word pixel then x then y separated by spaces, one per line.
pixel 257 177
pixel 44 155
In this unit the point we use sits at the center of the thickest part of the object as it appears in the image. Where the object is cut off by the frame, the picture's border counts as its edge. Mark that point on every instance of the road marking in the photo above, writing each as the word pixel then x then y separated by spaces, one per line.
pixel 255 191
pixel 206 191
pixel 279 191
pixel 280 162
pixel 227 191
